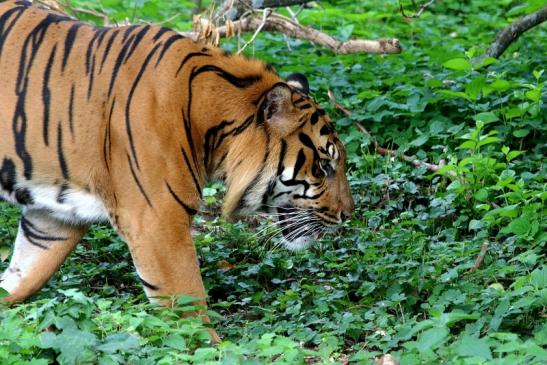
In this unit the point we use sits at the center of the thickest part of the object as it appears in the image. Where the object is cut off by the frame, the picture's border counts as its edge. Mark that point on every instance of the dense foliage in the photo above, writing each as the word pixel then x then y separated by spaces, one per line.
pixel 400 277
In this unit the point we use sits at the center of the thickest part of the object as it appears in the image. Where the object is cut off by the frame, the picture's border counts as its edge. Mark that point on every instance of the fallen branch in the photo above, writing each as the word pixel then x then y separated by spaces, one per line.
pixel 385 151
pixel 480 257
pixel 506 36
pixel 279 23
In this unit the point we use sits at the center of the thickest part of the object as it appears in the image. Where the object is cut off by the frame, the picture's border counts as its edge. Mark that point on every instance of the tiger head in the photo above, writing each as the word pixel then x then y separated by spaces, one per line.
pixel 303 183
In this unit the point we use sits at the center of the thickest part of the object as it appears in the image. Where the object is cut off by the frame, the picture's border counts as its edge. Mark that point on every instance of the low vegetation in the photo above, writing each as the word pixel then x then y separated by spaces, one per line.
pixel 434 268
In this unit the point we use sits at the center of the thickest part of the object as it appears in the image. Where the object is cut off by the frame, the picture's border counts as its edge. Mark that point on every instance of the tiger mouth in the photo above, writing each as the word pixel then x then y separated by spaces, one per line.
pixel 295 224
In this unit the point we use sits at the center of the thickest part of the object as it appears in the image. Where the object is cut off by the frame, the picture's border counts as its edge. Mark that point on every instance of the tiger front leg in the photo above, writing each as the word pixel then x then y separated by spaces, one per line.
pixel 41 246
pixel 166 260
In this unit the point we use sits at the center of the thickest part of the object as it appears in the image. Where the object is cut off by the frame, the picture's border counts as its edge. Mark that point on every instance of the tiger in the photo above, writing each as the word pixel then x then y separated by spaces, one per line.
pixel 125 125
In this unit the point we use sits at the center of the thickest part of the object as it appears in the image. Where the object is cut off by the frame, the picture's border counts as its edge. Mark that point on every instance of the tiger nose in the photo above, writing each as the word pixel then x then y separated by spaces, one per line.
pixel 344 216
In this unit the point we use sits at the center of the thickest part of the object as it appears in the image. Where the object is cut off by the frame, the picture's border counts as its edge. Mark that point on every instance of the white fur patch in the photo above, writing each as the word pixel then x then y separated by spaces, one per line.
pixel 301 243
pixel 69 205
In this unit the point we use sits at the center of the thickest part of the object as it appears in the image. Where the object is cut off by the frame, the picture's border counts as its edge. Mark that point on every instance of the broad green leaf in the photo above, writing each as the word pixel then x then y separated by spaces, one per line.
pixel 486 117
pixel 455 94
pixel 538 277
pixel 118 342
pixel 469 346
pixel 431 339
pixel 520 133
pixel 519 226
pixel 460 64
pixel 488 140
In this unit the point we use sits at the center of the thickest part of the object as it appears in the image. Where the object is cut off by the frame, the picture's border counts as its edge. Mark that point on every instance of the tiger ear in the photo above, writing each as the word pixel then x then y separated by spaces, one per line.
pixel 278 109
pixel 299 82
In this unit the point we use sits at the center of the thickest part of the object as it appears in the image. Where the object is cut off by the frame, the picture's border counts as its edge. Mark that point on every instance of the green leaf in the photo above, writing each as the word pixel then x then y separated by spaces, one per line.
pixel 459 64
pixel 538 277
pixel 432 338
pixel 520 227
pixel 469 346
pixel 486 117
pixel 520 133
pixel 119 342
pixel 488 140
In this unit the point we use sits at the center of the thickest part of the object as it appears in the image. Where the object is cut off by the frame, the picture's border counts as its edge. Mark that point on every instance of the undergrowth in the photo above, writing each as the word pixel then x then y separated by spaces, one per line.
pixel 400 277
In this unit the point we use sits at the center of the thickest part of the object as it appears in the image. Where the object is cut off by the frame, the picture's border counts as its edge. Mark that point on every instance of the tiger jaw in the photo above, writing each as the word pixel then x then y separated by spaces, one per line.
pixel 299 227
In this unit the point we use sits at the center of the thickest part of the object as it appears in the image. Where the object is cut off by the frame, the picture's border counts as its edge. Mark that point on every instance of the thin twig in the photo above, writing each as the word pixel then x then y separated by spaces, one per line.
pixel 381 150
pixel 420 11
pixel 265 14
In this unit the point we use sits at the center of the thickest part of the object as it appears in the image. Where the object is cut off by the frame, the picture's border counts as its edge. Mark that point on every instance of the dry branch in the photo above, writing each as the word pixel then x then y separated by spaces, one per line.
pixel 480 257
pixel 279 23
pixel 506 36
pixel 268 21
pixel 385 151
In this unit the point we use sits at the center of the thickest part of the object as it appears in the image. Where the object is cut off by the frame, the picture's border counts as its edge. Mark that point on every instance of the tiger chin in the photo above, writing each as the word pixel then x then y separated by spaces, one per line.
pixel 127 124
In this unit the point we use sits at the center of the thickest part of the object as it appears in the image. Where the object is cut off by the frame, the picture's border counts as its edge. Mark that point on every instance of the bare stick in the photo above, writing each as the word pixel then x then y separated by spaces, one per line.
pixel 266 13
pixel 381 150
pixel 279 23
pixel 480 257
pixel 506 36
pixel 420 11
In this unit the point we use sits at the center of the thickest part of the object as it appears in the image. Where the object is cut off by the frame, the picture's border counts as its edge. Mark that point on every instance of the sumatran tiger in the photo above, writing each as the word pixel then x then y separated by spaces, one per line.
pixel 127 124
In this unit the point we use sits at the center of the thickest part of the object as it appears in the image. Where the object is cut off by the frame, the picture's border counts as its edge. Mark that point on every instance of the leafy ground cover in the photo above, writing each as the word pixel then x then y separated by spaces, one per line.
pixel 401 276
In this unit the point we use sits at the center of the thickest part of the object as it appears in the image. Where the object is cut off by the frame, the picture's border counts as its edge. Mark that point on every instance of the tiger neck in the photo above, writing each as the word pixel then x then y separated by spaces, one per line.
pixel 236 149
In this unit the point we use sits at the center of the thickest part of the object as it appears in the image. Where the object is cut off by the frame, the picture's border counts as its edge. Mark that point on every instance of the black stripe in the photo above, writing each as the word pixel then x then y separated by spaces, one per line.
pixel 60 153
pixel 314 118
pixel 118 64
pixel 160 33
pixel 210 140
pixel 128 104
pixel 136 41
pixel 147 284
pixel 107 144
pixel 34 234
pixel 239 82
pixel 191 211
pixel 29 50
pixel 23 196
pixel 190 167
pixel 128 31
pixel 71 112
pixel 300 160
pixel 325 130
pixel 46 94
pixel 138 182
pixel 282 153
pixel 8 177
pixel 168 43
pixel 91 58
pixel 89 51
pixel 62 193
pixel 306 140
pixel 188 57
pixel 115 33
pixel 69 42
pixel 5 28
